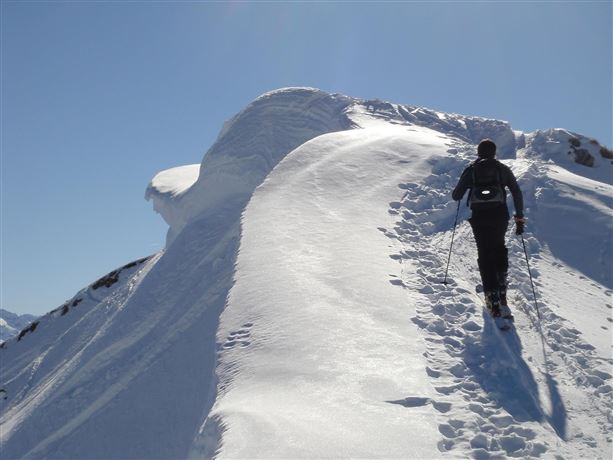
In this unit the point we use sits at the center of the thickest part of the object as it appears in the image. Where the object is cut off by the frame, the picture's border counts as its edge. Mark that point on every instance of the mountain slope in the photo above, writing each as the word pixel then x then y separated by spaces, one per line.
pixel 297 309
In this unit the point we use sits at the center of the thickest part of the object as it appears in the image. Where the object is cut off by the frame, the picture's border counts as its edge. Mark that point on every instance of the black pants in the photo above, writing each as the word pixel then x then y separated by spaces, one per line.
pixel 489 228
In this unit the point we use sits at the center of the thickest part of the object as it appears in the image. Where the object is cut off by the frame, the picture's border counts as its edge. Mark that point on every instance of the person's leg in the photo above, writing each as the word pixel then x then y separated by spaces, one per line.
pixel 485 236
pixel 502 262
pixel 489 231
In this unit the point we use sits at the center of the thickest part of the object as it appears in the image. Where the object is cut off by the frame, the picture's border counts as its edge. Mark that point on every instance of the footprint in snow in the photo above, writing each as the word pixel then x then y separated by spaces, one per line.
pixel 419 401
pixel 397 282
pixel 239 337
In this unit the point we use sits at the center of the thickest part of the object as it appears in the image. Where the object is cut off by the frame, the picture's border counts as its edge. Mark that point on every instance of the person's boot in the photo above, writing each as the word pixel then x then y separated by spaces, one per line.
pixel 492 302
pixel 505 311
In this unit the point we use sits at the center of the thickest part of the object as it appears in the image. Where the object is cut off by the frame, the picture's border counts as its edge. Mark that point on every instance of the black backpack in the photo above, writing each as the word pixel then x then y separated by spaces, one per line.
pixel 487 190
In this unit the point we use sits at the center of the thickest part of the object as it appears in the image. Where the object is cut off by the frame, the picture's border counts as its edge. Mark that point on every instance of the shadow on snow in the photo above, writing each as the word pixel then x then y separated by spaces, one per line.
pixel 499 368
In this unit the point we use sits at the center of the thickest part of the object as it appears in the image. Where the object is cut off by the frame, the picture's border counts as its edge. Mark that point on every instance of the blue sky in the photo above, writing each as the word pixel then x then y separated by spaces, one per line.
pixel 99 96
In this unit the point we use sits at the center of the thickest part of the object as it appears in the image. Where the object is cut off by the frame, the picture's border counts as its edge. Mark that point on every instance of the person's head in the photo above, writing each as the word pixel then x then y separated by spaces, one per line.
pixel 486 149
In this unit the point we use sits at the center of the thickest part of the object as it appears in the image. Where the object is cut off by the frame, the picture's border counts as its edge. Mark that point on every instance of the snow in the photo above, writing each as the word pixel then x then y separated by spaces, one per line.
pixel 546 369
pixel 249 147
pixel 297 310
pixel 174 181
pixel 165 191
pixel 554 145
pixel 310 246
pixel 575 222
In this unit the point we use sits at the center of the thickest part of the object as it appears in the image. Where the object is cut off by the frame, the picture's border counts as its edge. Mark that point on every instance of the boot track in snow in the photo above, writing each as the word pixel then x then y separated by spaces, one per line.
pixel 510 403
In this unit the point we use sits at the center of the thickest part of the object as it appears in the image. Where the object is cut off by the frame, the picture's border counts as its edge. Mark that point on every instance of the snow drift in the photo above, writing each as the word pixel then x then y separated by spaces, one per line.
pixel 297 309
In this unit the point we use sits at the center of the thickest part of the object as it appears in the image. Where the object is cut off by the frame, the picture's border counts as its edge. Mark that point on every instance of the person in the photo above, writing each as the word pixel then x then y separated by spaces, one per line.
pixel 487 178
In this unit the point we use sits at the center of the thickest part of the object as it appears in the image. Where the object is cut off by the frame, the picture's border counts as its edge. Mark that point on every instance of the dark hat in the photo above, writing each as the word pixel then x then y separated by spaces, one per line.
pixel 486 149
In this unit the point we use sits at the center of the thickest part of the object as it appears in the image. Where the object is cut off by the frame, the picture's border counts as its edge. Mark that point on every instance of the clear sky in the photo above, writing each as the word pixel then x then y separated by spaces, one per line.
pixel 99 96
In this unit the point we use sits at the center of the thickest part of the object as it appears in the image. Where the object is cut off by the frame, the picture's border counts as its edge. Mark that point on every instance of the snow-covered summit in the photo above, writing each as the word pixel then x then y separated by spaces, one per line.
pixel 250 145
pixel 297 310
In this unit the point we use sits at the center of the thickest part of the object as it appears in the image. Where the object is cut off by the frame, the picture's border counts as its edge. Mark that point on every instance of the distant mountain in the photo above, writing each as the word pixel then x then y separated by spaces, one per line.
pixel 297 310
pixel 11 323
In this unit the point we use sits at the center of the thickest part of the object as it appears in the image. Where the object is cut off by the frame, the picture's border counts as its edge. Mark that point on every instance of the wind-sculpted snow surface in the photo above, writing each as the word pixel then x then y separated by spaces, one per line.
pixel 298 311
pixel 330 344
pixel 252 143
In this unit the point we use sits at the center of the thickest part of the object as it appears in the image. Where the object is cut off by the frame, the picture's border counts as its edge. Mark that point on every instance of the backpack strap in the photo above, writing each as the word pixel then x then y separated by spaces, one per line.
pixel 474 174
pixel 472 170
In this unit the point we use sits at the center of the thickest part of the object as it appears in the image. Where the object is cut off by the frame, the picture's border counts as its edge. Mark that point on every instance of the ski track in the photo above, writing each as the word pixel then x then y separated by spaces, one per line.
pixel 512 402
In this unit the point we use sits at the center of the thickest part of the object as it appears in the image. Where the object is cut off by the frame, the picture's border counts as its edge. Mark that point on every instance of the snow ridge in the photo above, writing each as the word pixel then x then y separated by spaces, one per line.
pixel 250 146
pixel 297 309
pixel 464 128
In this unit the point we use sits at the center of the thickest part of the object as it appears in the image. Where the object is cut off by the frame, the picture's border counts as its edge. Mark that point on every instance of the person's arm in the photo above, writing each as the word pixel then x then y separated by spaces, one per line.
pixel 463 185
pixel 518 198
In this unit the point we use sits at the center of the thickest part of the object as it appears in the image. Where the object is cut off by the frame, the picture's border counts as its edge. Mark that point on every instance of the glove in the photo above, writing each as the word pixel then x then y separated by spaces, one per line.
pixel 519 225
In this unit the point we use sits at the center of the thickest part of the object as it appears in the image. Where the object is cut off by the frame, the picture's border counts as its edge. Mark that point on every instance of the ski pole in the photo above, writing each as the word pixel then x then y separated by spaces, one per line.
pixel 452 235
pixel 538 314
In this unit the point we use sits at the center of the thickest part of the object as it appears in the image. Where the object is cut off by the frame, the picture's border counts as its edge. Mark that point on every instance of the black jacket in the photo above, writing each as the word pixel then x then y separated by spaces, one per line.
pixel 507 178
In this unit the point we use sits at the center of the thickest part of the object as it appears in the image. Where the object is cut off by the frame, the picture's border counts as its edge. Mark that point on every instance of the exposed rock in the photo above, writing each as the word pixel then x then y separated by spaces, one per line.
pixel 583 157
pixel 606 153
pixel 30 328
pixel 107 280
pixel 111 278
